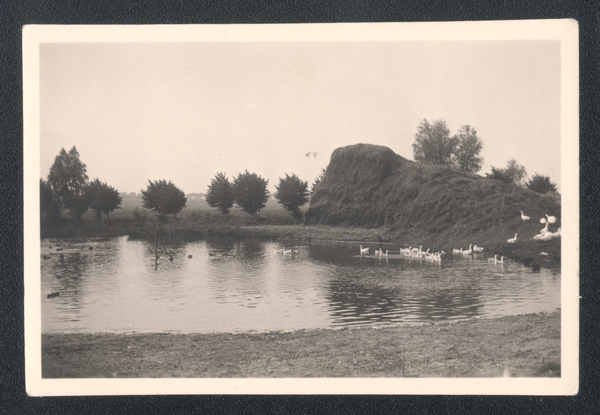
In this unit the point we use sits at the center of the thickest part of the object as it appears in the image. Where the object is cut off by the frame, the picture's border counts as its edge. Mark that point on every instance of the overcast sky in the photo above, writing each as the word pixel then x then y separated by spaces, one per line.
pixel 186 111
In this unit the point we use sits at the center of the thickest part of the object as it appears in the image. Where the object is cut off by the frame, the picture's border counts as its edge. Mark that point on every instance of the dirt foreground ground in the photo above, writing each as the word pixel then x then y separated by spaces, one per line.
pixel 517 346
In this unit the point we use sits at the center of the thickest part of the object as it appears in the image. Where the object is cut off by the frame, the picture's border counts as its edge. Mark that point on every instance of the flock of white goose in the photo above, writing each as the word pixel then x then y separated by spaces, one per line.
pixel 411 252
pixel 545 234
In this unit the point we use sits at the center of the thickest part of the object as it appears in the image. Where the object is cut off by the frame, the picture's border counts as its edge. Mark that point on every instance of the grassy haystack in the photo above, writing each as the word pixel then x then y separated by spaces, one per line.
pixel 371 186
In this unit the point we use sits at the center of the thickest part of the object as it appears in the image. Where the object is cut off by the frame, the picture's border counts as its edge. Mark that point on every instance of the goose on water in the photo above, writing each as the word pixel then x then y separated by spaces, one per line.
pixel 493 259
pixel 382 254
pixel 500 261
pixel 512 240
pixel 457 251
pixel 477 248
pixel 468 251
pixel 364 251
pixel 551 219
pixel 524 217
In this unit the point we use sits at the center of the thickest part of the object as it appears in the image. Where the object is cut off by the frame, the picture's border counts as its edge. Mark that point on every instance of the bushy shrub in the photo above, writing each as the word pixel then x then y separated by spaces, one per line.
pixel 292 193
pixel 541 184
pixel 250 192
pixel 220 193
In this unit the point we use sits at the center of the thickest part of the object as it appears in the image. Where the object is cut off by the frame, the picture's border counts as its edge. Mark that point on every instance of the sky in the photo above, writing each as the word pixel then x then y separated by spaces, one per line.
pixel 185 111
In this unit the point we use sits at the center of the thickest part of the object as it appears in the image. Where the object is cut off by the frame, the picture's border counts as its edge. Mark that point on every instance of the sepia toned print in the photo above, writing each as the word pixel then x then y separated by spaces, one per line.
pixel 302 209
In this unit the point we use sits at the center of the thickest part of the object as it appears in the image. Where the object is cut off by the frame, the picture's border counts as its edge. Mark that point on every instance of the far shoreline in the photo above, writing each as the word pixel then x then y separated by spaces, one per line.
pixel 207 225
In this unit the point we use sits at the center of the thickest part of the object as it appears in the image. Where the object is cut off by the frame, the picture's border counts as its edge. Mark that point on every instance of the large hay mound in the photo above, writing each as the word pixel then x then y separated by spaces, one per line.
pixel 371 186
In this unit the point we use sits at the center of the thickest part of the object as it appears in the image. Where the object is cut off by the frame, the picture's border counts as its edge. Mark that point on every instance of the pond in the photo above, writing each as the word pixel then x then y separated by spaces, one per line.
pixel 224 285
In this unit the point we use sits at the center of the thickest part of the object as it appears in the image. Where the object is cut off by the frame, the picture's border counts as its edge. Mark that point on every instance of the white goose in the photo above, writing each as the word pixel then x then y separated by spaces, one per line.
pixel 493 259
pixel 512 240
pixel 382 254
pixel 457 251
pixel 524 217
pixel 477 248
pixel 364 251
pixel 501 261
pixel 543 231
pixel 468 251
pixel 551 219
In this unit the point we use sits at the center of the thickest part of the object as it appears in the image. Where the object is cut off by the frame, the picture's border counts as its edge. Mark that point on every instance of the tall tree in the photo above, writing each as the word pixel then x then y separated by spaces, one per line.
pixel 49 204
pixel 541 184
pixel 466 155
pixel 292 193
pixel 434 145
pixel 103 198
pixel 250 192
pixel 220 193
pixel 68 179
pixel 163 198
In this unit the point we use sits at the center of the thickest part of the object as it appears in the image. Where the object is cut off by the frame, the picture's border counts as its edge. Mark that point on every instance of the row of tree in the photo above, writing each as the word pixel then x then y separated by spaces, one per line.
pixel 249 191
pixel 434 145
pixel 68 188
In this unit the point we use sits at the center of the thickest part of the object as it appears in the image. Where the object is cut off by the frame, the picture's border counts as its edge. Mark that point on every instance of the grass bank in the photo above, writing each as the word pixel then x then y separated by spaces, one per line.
pixel 516 346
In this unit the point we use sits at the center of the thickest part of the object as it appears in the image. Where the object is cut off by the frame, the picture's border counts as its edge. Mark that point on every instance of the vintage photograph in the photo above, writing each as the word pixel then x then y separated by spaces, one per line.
pixel 336 208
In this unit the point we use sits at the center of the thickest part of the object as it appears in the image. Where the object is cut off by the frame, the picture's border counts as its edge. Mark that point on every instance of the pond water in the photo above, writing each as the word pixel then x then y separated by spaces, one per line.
pixel 225 285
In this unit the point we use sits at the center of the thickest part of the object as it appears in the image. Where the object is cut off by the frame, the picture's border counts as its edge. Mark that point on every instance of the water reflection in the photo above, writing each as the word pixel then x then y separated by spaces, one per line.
pixel 230 285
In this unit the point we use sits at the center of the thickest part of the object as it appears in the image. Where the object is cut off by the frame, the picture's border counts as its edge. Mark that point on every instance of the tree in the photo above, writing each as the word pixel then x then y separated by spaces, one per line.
pixel 163 198
pixel 434 145
pixel 68 181
pixel 512 173
pixel 250 192
pixel 541 184
pixel 103 198
pixel 292 193
pixel 220 193
pixel 48 202
pixel 466 156
pixel 317 181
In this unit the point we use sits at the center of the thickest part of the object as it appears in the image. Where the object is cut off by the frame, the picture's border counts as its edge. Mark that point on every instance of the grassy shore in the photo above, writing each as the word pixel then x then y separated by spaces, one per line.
pixel 516 346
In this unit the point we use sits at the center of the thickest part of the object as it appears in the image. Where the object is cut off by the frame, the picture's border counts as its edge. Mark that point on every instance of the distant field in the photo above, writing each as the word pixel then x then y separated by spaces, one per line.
pixel 193 205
